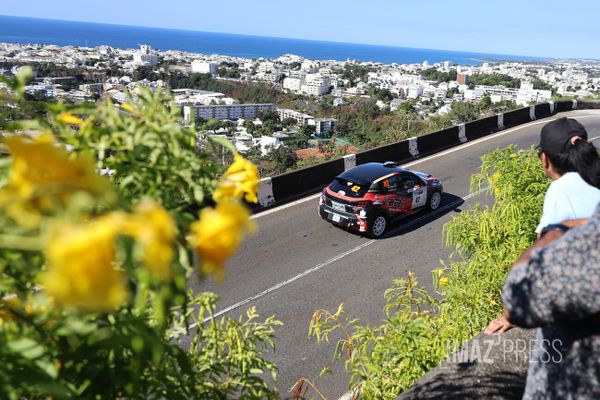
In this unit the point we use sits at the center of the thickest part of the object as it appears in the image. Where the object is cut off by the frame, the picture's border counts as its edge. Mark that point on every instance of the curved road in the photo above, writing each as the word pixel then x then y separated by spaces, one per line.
pixel 298 263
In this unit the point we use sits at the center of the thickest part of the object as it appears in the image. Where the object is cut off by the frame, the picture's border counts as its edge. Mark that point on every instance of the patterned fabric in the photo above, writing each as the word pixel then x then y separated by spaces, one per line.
pixel 558 291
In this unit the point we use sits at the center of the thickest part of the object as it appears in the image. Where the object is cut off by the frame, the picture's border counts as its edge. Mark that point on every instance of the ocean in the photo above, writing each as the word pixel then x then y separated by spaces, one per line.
pixel 64 33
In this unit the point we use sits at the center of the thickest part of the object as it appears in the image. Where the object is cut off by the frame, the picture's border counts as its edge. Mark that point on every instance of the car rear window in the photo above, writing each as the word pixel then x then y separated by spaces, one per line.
pixel 349 187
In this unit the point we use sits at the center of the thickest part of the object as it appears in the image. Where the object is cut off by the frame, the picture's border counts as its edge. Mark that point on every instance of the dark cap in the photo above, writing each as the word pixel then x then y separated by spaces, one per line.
pixel 556 135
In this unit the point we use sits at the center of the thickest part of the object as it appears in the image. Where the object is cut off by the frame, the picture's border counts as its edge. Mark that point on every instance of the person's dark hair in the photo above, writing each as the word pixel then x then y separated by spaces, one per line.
pixel 581 157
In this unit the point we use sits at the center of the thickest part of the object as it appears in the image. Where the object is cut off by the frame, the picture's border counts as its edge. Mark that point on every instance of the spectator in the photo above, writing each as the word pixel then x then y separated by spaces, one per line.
pixel 574 167
pixel 555 287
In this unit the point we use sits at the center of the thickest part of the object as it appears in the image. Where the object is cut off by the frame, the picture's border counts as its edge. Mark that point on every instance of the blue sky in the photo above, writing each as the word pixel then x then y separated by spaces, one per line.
pixel 526 27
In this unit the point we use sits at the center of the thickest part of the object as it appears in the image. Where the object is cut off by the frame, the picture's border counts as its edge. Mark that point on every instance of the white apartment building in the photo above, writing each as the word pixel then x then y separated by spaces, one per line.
pixel 292 84
pixel 274 76
pixel 203 67
pixel 315 85
pixel 301 118
pixel 527 95
pixel 414 91
pixel 309 65
pixel 311 84
pixel 231 112
pixel 145 56
pixel 501 92
pixel 324 126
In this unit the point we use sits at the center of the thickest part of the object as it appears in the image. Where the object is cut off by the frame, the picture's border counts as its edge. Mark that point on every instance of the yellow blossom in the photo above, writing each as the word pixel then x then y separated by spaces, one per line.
pixel 43 175
pixel 444 281
pixel 240 179
pixel 81 265
pixel 40 164
pixel 152 226
pixel 496 177
pixel 8 306
pixel 129 108
pixel 218 233
pixel 69 118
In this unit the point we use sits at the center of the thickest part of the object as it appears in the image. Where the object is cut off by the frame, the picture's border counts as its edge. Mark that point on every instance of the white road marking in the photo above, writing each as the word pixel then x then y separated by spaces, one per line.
pixel 340 256
pixel 410 164
pixel 295 278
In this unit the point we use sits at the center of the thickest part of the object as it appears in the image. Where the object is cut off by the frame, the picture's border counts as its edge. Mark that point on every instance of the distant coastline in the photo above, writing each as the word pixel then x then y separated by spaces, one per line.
pixel 64 33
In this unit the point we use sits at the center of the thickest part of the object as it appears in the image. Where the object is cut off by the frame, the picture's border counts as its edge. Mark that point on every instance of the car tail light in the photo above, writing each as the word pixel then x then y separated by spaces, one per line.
pixel 363 204
pixel 322 199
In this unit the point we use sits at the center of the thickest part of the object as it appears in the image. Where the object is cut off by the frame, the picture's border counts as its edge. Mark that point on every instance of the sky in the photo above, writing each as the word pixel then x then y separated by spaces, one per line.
pixel 548 28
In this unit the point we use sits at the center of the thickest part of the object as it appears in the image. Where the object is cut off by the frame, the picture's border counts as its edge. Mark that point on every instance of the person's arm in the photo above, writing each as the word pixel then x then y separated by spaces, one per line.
pixel 557 279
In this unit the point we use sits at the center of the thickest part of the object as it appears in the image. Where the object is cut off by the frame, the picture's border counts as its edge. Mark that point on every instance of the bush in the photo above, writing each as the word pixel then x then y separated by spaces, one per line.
pixel 95 270
pixel 420 329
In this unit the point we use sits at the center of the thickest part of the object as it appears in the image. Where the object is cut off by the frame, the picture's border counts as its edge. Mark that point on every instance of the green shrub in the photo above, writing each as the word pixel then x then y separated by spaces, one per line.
pixel 420 329
pixel 95 271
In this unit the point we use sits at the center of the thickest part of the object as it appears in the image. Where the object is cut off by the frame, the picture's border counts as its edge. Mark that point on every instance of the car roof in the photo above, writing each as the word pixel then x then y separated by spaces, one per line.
pixel 370 172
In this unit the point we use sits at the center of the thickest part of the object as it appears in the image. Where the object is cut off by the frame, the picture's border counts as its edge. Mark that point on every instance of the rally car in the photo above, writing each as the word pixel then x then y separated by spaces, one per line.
pixel 369 197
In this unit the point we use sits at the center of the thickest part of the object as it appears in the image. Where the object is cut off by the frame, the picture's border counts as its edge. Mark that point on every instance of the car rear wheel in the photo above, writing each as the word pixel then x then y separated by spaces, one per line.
pixel 378 226
pixel 435 200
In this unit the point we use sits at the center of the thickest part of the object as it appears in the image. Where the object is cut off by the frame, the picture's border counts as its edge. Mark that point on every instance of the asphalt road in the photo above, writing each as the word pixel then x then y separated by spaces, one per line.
pixel 297 263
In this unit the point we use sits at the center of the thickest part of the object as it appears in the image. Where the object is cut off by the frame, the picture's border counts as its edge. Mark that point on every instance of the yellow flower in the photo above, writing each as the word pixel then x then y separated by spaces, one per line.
pixel 240 179
pixel 7 307
pixel 42 176
pixel 496 177
pixel 218 233
pixel 69 118
pixel 443 281
pixel 155 230
pixel 40 164
pixel 81 266
pixel 129 108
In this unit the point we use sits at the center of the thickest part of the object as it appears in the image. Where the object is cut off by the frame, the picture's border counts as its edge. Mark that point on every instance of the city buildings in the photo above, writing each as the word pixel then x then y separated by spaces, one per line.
pixel 84 74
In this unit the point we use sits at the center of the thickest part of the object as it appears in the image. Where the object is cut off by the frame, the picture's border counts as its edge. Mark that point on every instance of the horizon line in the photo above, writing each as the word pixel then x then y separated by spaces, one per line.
pixel 534 58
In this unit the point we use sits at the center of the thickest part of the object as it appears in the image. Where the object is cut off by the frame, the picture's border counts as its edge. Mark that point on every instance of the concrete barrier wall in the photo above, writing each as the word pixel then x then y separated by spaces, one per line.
pixel 287 187
pixel 291 185
pixel 482 127
pixel 397 152
pixel 438 141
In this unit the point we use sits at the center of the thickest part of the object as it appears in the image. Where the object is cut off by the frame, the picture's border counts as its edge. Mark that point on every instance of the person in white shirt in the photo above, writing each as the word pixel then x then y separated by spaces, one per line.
pixel 573 165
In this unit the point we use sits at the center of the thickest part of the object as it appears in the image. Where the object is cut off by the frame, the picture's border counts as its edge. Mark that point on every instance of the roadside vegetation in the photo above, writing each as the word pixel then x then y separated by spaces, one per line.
pixel 420 329
pixel 95 271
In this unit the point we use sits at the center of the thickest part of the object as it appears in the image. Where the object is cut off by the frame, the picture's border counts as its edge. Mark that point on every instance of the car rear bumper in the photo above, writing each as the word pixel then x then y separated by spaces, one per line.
pixel 344 220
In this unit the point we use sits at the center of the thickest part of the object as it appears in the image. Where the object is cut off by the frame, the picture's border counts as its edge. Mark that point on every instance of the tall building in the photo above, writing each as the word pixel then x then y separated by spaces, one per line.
pixel 145 56
pixel 462 79
pixel 324 126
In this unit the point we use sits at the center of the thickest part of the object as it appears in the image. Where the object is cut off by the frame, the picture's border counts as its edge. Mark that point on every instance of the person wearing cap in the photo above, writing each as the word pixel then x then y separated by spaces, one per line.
pixel 573 165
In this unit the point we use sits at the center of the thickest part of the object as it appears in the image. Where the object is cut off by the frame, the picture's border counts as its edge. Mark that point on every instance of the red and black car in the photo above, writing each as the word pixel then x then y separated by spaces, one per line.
pixel 369 197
